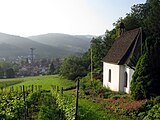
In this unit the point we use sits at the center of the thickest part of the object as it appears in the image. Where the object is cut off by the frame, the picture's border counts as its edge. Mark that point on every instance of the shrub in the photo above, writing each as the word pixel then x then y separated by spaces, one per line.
pixel 141 81
pixel 142 111
pixel 85 82
pixel 157 100
pixel 107 94
pixel 93 88
pixel 116 97
pixel 154 113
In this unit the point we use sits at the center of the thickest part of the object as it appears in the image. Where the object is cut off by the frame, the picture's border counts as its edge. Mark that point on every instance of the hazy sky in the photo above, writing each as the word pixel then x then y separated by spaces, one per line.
pixel 34 17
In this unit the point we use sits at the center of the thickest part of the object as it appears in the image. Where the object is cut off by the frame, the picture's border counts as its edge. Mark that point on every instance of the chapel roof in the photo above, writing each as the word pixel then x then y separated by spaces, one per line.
pixel 124 47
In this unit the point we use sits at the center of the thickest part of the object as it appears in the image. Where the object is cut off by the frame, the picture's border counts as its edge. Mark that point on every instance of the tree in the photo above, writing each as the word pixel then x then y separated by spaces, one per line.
pixel 51 69
pixel 1 72
pixel 5 65
pixel 146 78
pixel 141 79
pixel 99 48
pixel 73 67
pixel 152 21
pixel 10 73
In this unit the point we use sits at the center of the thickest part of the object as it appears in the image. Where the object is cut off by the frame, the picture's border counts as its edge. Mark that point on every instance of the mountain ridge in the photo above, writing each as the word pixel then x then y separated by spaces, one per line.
pixel 64 41
pixel 63 45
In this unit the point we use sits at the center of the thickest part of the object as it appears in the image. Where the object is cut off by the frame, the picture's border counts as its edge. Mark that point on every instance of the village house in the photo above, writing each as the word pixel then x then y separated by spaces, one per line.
pixel 120 61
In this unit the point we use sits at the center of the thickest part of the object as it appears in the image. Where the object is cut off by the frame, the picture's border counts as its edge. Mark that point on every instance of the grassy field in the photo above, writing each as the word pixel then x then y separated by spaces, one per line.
pixel 8 82
pixel 45 81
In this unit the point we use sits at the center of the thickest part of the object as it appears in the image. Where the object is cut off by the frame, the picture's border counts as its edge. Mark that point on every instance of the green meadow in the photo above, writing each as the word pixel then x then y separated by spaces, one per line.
pixel 45 81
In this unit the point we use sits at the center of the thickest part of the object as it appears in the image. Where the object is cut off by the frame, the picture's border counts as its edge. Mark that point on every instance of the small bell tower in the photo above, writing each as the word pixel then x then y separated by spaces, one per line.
pixel 122 28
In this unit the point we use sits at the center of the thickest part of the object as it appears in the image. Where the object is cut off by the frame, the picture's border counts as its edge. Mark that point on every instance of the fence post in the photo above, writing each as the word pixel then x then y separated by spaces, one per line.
pixel 23 93
pixel 23 90
pixel 76 113
pixel 57 88
pixel 62 91
pixel 1 89
pixel 32 88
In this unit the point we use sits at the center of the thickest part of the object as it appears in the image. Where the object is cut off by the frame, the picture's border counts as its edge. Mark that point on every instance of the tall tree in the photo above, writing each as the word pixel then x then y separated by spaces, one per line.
pixel 146 78
pixel 1 72
pixel 10 73
pixel 73 67
pixel 99 48
pixel 51 69
pixel 152 20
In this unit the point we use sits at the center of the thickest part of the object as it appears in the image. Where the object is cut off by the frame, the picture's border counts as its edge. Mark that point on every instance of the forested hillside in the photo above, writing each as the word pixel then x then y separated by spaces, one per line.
pixel 47 46
pixel 66 42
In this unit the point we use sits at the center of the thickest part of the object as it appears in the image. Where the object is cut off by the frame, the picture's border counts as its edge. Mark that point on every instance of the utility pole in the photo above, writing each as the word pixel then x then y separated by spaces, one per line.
pixel 77 92
pixel 32 57
pixel 141 40
pixel 91 66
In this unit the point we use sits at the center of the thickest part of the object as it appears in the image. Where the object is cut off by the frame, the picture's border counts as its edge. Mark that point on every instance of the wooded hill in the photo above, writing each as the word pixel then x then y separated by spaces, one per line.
pixel 48 45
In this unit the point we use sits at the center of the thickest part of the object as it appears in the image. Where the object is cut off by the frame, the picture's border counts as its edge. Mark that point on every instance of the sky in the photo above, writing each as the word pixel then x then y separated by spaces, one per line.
pixel 75 17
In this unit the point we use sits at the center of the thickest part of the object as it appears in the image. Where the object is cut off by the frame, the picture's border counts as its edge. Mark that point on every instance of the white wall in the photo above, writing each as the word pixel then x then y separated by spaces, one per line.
pixel 117 77
pixel 130 73
pixel 114 84
pixel 123 69
pixel 121 77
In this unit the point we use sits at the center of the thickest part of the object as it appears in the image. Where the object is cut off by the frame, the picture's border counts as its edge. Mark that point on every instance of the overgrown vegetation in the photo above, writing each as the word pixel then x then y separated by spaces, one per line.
pixel 48 108
pixel 117 103
pixel 146 77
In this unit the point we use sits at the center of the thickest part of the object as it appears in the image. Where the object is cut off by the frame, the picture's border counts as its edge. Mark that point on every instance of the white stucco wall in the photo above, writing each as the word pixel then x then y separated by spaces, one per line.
pixel 130 73
pixel 117 77
pixel 114 84
pixel 121 77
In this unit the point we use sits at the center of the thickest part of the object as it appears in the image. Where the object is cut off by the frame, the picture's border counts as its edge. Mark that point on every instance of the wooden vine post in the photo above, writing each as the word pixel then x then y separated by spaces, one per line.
pixel 76 113
pixel 23 90
pixel 32 88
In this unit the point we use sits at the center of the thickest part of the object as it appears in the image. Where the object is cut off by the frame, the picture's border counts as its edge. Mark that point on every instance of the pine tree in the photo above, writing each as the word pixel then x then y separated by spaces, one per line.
pixel 146 78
